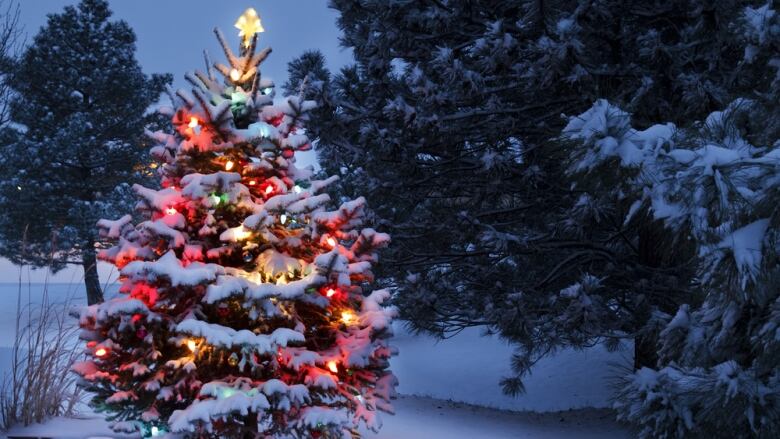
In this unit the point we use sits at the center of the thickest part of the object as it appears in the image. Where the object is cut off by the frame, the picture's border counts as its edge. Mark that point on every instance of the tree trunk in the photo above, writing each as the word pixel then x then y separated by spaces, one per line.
pixel 645 354
pixel 91 279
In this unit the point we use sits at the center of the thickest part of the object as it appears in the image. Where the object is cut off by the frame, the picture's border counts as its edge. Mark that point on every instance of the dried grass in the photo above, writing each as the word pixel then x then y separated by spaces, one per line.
pixel 40 384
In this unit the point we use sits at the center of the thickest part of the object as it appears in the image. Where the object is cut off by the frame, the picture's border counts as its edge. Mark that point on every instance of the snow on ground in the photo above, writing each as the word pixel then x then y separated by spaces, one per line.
pixel 426 418
pixel 417 418
pixel 468 368
pixel 465 368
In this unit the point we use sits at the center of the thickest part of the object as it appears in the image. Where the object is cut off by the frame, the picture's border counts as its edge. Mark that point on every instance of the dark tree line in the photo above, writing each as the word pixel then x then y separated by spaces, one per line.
pixel 450 122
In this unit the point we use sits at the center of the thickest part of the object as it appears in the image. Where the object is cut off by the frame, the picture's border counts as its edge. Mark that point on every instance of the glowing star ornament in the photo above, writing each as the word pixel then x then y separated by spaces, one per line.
pixel 248 25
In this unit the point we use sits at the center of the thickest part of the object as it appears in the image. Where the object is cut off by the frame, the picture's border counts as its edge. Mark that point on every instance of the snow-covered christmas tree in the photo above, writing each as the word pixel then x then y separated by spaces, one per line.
pixel 243 309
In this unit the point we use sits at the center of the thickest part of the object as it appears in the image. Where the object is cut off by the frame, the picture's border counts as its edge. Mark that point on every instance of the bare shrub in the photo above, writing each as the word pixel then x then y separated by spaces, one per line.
pixel 39 384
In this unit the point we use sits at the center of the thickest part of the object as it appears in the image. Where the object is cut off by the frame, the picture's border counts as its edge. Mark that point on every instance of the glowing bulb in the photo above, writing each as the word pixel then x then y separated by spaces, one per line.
pixel 171 211
pixel 101 352
pixel 249 24
pixel 193 122
pixel 269 189
pixel 155 431
pixel 283 218
pixel 242 234
pixel 330 292
pixel 347 317
pixel 331 241
pixel 229 165
pixel 192 345
pixel 333 366
pixel 252 182
pixel 297 189
pixel 235 75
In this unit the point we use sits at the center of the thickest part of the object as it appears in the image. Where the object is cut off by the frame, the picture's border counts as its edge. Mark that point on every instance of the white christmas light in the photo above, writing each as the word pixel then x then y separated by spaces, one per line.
pixel 235 75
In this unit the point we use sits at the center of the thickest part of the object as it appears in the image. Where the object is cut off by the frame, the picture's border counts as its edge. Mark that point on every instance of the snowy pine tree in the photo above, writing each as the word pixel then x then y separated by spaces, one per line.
pixel 243 309
pixel 77 139
pixel 450 125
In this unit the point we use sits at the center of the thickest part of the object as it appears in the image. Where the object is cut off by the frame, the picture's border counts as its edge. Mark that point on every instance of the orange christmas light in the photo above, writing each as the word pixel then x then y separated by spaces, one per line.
pixel 347 317
pixel 235 75
pixel 333 366
pixel 194 122
pixel 192 345
pixel 229 165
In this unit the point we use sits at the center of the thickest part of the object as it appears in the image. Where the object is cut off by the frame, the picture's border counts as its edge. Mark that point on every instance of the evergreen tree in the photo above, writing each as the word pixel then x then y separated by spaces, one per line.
pixel 716 185
pixel 244 309
pixel 449 123
pixel 76 143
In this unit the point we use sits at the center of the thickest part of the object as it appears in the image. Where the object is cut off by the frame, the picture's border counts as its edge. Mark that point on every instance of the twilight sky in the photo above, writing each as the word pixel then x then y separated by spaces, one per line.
pixel 173 33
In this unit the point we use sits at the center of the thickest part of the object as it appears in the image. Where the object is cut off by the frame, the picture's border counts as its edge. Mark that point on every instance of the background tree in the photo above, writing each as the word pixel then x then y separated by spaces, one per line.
pixel 445 124
pixel 77 139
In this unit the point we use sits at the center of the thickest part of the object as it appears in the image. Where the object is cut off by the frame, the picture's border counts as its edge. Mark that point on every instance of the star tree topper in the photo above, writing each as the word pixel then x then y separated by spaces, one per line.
pixel 249 24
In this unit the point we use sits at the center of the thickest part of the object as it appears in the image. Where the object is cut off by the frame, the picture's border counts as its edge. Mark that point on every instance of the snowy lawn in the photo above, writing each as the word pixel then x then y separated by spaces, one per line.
pixel 466 368
pixel 418 418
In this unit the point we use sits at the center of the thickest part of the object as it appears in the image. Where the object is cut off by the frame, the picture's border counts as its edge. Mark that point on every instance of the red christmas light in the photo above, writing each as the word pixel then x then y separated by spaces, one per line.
pixel 101 352
pixel 144 292
pixel 171 211
pixel 333 366
pixel 330 291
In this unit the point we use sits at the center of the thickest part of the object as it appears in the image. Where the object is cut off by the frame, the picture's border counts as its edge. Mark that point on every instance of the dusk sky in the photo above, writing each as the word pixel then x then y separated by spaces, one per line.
pixel 173 33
